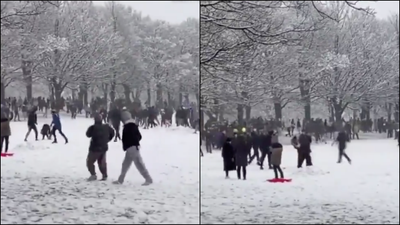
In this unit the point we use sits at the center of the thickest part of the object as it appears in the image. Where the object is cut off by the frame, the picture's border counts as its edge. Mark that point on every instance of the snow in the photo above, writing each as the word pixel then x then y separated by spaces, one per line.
pixel 46 183
pixel 328 193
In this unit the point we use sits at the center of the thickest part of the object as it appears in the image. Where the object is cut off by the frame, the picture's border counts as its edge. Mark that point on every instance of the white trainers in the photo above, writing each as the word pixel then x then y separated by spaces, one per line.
pixel 92 178
pixel 147 183
pixel 116 182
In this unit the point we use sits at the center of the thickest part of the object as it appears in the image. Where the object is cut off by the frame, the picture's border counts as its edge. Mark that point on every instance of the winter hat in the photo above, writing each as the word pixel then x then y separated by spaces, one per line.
pixel 125 116
pixel 98 118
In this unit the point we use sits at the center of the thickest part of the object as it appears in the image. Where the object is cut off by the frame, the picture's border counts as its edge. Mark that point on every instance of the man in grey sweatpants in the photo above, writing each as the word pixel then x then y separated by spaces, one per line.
pixel 131 145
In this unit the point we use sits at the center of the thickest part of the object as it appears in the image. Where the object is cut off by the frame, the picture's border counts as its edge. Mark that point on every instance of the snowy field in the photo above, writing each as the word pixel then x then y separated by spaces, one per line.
pixel 365 192
pixel 46 183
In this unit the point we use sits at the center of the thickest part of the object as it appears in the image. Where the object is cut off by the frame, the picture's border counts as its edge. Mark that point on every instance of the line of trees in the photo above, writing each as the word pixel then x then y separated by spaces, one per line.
pixel 79 46
pixel 277 53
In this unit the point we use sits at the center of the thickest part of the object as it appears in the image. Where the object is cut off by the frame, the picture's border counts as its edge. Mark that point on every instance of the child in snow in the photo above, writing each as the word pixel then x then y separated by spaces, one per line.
pixel 276 159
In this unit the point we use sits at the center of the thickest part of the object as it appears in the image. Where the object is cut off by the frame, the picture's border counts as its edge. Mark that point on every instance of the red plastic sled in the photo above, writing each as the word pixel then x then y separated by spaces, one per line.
pixel 7 154
pixel 279 180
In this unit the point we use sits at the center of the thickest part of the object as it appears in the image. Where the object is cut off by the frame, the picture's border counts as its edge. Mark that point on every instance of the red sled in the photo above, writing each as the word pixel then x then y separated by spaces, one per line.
pixel 279 180
pixel 7 154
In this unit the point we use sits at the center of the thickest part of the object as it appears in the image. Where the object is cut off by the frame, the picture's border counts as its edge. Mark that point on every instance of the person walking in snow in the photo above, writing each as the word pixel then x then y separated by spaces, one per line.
pixel 342 140
pixel 131 138
pixel 100 134
pixel 56 123
pixel 32 122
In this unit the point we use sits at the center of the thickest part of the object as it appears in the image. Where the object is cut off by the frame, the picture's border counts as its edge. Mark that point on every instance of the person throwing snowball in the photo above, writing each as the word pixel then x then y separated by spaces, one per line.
pixel 131 138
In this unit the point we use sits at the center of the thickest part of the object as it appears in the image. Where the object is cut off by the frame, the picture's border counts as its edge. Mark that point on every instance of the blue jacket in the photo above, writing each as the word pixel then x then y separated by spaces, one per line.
pixel 56 121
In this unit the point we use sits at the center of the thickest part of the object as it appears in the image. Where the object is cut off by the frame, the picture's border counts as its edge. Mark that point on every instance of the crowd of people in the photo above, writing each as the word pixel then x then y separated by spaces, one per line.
pixel 241 147
pixel 106 127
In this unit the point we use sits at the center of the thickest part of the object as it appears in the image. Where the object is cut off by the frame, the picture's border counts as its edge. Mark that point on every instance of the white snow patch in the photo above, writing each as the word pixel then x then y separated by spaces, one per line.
pixel 365 192
pixel 45 183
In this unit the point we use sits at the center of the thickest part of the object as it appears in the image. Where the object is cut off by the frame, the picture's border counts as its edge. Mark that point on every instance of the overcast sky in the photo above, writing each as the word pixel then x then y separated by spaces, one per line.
pixel 173 12
pixel 383 9
pixel 177 12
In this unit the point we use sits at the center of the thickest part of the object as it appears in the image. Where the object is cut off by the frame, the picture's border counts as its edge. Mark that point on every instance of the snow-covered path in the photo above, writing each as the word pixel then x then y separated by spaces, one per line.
pixel 45 183
pixel 365 192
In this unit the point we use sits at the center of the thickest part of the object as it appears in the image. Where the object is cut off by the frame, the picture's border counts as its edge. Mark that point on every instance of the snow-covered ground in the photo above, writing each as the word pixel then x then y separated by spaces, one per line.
pixel 45 183
pixel 365 192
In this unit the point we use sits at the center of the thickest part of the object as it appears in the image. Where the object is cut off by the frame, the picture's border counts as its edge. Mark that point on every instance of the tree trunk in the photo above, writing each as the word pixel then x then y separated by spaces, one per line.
pixel 389 107
pixel 396 112
pixel 113 91
pixel 3 92
pixel 57 96
pixel 339 109
pixel 278 110
pixel 27 74
pixel 159 93
pixel 127 93
pixel 365 110
pixel 305 95
pixel 149 95
pixel 221 112
pixel 240 114
pixel 105 93
pixel 215 109
pixel 248 112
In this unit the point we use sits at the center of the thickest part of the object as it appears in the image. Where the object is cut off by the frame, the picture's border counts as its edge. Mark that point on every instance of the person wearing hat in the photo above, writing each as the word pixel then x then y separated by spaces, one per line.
pixel 131 138
pixel 56 123
pixel 241 153
pixel 100 134
pixel 228 155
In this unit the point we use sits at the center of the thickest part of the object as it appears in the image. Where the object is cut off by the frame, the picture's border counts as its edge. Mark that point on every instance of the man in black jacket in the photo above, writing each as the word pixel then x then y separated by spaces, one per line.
pixel 32 122
pixel 131 138
pixel 100 135
pixel 304 150
pixel 114 116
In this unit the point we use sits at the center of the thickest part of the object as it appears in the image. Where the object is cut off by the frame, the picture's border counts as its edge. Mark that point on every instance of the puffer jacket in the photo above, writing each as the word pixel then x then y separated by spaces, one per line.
pixel 5 127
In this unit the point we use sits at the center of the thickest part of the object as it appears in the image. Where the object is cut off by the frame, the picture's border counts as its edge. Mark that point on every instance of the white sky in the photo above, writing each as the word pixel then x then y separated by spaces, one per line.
pixel 383 9
pixel 173 12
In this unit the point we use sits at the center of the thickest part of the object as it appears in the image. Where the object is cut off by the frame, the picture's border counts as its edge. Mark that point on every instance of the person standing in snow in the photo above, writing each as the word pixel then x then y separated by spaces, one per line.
pixel 342 140
pixel 32 122
pixel 304 149
pixel 56 123
pixel 5 132
pixel 241 153
pixel 276 159
pixel 228 155
pixel 114 116
pixel 131 138
pixel 100 134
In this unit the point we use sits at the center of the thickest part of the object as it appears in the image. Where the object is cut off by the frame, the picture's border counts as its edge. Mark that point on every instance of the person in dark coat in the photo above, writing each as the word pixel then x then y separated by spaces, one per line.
pixel 100 134
pixel 5 132
pixel 32 122
pixel 265 146
pixel 241 153
pixel 304 149
pixel 255 140
pixel 342 139
pixel 114 116
pixel 228 155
